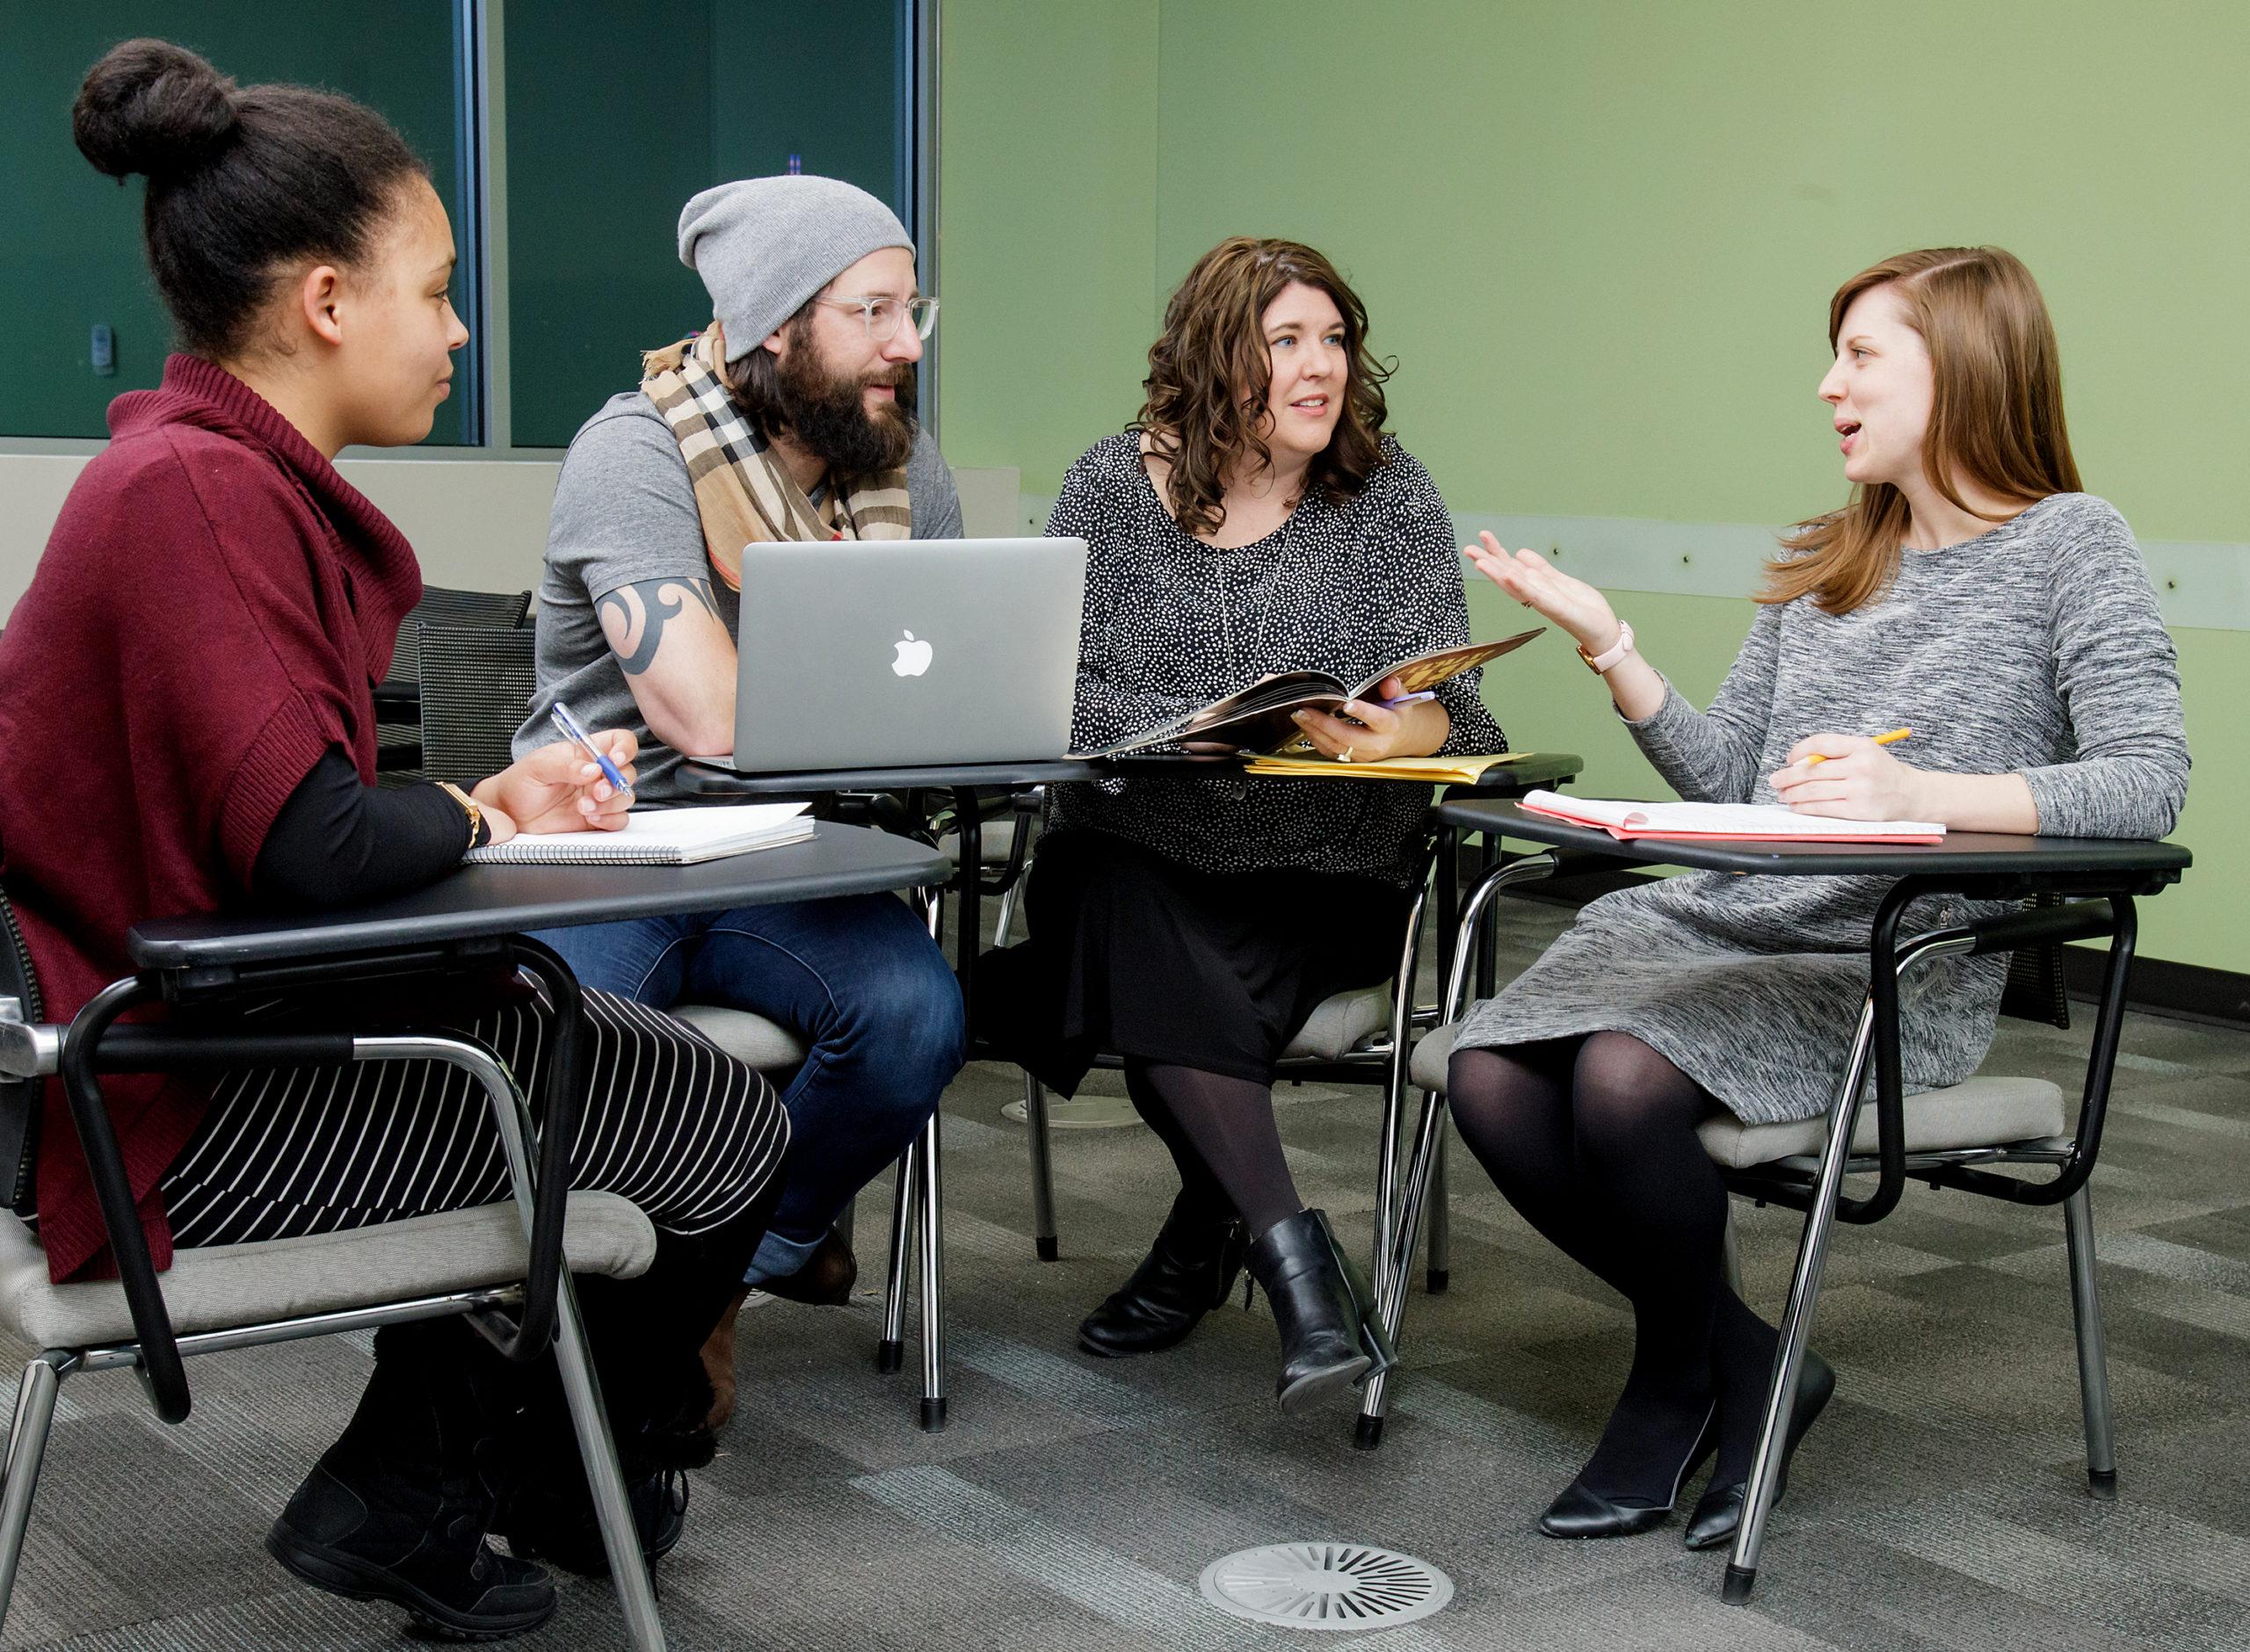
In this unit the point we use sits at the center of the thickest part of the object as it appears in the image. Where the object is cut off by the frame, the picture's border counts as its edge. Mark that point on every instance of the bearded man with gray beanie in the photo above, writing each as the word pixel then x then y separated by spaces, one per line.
pixel 788 419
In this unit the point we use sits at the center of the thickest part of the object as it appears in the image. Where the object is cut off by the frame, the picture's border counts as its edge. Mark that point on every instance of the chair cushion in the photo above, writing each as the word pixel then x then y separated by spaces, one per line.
pixel 1981 1113
pixel 1426 1068
pixel 751 1039
pixel 223 1285
pixel 1339 1023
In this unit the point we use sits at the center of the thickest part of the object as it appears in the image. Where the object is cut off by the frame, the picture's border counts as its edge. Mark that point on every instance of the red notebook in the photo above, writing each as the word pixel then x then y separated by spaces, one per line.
pixel 1734 822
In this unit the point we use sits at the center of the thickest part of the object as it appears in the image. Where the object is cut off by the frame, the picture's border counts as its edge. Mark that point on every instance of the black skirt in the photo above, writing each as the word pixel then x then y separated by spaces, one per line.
pixel 1139 956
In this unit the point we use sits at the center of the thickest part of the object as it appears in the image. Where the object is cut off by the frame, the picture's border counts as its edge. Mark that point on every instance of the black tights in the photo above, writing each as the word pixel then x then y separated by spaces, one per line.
pixel 1223 1137
pixel 1594 1140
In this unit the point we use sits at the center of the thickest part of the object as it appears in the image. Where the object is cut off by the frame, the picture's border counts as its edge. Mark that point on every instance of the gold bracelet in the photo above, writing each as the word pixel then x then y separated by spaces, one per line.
pixel 470 806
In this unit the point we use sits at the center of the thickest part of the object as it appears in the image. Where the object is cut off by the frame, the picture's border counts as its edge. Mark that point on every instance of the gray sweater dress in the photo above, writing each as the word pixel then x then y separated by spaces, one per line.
pixel 2035 650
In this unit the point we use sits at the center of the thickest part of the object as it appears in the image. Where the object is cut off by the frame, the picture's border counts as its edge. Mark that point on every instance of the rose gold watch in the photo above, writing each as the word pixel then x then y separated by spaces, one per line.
pixel 1599 663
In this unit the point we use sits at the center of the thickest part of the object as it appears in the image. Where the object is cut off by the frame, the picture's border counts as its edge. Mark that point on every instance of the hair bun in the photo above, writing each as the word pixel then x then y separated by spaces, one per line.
pixel 153 107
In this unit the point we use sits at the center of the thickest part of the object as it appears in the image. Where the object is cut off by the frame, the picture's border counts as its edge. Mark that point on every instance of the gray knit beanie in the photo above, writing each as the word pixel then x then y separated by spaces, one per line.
pixel 765 245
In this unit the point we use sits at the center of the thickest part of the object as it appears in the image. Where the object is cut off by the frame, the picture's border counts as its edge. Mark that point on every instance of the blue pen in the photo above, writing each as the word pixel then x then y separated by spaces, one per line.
pixel 573 729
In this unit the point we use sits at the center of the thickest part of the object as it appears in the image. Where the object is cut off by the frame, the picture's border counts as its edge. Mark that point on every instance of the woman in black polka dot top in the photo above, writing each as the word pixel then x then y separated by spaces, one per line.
pixel 1254 519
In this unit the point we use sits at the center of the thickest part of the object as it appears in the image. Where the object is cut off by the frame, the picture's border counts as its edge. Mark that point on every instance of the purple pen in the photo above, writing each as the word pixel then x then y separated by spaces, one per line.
pixel 1408 699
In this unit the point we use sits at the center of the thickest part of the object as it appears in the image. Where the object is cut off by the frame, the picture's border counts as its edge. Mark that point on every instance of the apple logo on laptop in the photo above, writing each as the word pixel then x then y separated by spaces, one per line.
pixel 913 657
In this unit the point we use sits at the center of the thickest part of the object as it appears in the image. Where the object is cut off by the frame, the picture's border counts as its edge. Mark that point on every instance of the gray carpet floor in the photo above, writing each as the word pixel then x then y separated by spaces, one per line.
pixel 1073 1503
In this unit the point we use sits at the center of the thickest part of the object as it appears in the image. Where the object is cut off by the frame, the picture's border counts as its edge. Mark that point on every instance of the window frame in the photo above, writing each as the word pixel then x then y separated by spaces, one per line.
pixel 480 102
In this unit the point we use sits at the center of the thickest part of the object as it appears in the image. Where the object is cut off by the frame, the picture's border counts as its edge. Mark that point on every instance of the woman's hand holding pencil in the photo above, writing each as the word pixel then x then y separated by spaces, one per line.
pixel 1851 777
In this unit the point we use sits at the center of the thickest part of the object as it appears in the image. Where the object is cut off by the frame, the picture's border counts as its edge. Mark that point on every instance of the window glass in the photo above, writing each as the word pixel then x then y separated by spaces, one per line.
pixel 616 115
pixel 71 259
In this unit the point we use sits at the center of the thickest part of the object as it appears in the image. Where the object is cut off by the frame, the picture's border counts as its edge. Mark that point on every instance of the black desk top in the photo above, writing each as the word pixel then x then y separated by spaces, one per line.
pixel 712 779
pixel 477 902
pixel 709 780
pixel 1961 854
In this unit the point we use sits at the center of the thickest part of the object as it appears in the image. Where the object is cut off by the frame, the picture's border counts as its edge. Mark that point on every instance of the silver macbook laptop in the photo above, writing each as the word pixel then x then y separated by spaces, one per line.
pixel 860 654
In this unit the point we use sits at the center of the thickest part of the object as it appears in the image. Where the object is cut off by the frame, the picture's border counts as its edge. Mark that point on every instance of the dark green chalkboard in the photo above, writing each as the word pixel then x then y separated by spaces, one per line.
pixel 617 115
pixel 70 256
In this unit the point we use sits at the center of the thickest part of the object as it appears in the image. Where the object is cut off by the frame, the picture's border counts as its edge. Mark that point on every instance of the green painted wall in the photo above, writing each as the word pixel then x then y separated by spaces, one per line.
pixel 1047 272
pixel 1599 237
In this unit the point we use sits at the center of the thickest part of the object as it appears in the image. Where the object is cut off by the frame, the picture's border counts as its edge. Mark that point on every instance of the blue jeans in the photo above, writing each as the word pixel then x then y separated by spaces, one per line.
pixel 858 978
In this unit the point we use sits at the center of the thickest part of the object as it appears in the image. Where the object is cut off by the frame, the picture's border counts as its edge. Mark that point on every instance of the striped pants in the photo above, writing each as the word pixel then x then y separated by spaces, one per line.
pixel 669 1121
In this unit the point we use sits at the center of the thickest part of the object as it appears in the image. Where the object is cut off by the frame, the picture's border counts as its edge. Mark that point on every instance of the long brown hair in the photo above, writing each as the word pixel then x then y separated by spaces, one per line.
pixel 1210 369
pixel 1996 417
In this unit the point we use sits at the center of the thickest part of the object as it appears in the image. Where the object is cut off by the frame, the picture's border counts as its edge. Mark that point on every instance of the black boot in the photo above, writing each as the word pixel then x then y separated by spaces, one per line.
pixel 1187 1273
pixel 553 1518
pixel 1330 1335
pixel 397 1510
pixel 548 1509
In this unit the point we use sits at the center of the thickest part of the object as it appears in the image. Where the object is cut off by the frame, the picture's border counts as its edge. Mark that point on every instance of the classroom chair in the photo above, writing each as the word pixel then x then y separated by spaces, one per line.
pixel 1947 1135
pixel 505 1267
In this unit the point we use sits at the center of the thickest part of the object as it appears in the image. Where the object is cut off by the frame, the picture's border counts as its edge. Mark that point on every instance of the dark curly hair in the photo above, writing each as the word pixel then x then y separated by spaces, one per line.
pixel 1210 371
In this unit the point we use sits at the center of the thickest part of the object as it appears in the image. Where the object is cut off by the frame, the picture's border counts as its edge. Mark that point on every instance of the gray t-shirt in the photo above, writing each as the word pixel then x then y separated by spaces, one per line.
pixel 624 512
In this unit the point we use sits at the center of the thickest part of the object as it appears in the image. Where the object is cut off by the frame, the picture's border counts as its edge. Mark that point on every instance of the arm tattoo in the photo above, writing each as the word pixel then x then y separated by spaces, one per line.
pixel 657 602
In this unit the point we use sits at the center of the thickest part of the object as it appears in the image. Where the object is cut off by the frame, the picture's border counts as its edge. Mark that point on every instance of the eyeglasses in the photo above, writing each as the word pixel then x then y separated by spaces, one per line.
pixel 882 316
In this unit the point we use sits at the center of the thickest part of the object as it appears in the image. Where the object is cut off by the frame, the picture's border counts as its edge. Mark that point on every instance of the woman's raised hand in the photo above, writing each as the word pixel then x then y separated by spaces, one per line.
pixel 558 788
pixel 1536 582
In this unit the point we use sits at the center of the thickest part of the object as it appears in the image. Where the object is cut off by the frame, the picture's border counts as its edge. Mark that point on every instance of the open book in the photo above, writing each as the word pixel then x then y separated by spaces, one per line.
pixel 1256 718
pixel 656 838
pixel 1738 822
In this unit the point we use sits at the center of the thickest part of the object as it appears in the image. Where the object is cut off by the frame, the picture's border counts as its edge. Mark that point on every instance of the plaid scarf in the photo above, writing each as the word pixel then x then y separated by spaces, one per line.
pixel 745 495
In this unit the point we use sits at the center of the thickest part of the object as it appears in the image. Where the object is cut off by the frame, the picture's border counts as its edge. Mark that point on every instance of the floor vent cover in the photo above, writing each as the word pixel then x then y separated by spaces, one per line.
pixel 1326 1586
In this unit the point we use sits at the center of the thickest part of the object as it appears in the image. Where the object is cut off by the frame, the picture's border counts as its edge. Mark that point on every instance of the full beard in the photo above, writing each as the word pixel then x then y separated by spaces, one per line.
pixel 829 417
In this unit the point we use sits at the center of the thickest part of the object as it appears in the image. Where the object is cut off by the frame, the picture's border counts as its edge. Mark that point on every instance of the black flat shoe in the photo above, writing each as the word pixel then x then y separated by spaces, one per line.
pixel 1581 1512
pixel 1188 1271
pixel 1331 1335
pixel 1718 1511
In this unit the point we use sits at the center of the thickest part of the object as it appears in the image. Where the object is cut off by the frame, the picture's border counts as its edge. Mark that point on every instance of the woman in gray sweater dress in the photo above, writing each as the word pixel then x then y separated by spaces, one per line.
pixel 1970 592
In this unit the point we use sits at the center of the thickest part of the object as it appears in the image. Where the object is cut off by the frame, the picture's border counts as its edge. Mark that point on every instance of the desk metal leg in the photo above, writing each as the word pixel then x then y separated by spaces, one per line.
pixel 1440 1273
pixel 969 885
pixel 890 1349
pixel 2092 1359
pixel 1429 1136
pixel 1390 1294
pixel 931 1251
pixel 1042 1170
pixel 1797 1320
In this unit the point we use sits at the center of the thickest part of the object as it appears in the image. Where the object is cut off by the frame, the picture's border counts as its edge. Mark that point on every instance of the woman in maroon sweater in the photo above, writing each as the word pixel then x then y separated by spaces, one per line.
pixel 200 642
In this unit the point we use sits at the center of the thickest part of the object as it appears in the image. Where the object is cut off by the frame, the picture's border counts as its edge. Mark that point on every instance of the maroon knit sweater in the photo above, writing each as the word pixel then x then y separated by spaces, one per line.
pixel 214 608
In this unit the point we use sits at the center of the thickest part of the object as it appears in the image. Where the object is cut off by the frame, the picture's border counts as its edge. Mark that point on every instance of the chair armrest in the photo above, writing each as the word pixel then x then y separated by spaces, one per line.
pixel 93 1045
pixel 2113 915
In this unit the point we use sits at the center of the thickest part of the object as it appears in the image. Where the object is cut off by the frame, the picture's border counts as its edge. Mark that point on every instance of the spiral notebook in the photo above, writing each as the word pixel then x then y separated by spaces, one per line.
pixel 1747 823
pixel 658 837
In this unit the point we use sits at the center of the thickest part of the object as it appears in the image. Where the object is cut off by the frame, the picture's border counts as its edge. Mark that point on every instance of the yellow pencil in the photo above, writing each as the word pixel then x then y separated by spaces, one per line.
pixel 1890 739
